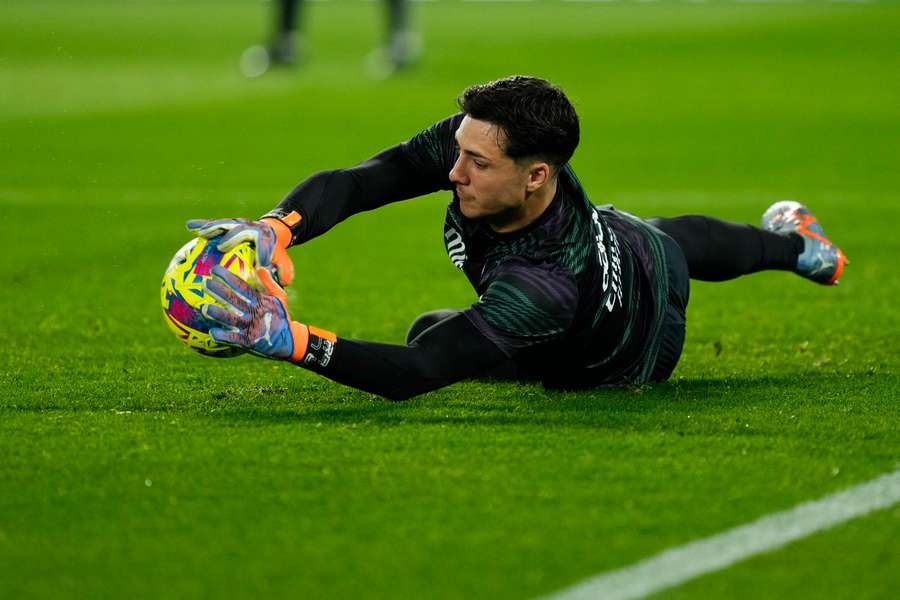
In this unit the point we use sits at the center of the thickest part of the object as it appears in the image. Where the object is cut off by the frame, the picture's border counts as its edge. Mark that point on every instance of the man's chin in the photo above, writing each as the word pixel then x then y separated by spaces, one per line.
pixel 469 210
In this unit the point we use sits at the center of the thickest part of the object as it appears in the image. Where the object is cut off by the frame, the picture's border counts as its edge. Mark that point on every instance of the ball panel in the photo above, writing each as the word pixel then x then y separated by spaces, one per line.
pixel 183 291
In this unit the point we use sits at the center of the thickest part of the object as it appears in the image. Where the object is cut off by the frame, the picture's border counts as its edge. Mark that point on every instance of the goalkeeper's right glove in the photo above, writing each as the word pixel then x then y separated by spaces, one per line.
pixel 270 236
pixel 258 321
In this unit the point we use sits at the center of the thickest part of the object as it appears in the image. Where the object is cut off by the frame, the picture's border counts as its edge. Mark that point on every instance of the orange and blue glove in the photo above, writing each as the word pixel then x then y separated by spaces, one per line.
pixel 253 320
pixel 259 321
pixel 270 236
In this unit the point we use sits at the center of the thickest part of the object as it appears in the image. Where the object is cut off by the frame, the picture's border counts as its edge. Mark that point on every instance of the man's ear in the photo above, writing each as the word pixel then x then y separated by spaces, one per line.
pixel 538 175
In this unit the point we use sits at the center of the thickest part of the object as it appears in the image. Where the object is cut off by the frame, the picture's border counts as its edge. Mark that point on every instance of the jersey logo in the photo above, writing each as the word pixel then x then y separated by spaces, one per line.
pixel 611 264
pixel 456 248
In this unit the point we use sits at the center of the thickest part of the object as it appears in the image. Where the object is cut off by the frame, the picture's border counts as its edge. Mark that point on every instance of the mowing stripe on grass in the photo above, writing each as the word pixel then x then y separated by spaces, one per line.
pixel 678 565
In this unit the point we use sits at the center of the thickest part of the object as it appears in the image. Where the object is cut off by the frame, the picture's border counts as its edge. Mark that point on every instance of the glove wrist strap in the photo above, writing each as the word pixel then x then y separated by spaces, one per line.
pixel 313 346
pixel 283 224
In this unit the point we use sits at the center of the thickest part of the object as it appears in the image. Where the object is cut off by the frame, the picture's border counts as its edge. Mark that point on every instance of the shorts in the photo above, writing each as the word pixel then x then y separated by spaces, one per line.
pixel 673 328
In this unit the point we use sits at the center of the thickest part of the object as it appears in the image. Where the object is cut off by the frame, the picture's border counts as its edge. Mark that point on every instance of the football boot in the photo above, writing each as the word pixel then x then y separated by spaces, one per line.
pixel 820 261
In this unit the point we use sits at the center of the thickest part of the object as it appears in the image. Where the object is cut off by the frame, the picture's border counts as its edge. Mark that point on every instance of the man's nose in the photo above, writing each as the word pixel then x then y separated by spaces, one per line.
pixel 456 175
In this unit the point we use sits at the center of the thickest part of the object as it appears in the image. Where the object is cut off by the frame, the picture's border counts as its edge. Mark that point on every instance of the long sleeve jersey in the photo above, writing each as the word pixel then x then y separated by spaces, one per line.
pixel 574 299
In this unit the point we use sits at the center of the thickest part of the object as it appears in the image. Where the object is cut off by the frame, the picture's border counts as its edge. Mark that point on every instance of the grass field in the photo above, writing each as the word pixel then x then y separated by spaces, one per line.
pixel 131 467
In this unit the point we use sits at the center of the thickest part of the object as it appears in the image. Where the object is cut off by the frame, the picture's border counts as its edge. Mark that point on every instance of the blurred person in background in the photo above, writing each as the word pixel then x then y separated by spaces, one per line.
pixel 287 46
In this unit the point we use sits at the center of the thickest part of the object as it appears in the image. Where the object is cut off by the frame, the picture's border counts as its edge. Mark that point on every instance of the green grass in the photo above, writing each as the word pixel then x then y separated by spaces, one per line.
pixel 132 467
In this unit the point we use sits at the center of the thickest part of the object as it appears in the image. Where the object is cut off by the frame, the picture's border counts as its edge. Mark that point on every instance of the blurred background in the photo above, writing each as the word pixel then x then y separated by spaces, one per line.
pixel 120 120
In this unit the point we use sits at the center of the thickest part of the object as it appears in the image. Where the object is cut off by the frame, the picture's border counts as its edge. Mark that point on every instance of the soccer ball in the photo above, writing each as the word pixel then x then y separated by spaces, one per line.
pixel 183 291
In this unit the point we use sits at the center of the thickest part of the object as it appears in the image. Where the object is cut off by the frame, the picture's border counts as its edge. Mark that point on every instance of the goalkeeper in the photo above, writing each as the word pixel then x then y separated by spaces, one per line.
pixel 570 294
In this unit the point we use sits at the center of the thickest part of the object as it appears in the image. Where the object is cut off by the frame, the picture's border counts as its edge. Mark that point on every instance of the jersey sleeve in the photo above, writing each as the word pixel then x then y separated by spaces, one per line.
pixel 413 168
pixel 433 150
pixel 447 352
pixel 526 305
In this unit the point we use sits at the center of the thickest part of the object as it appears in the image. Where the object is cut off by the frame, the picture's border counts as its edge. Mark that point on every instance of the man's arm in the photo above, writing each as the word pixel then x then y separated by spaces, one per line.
pixel 414 168
pixel 450 351
pixel 522 308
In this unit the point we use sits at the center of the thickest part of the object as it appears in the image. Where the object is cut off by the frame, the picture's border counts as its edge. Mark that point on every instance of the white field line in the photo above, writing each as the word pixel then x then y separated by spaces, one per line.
pixel 678 565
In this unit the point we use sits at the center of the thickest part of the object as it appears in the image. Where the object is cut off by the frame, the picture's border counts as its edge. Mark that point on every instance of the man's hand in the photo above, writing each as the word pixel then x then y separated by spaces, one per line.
pixel 270 236
pixel 254 320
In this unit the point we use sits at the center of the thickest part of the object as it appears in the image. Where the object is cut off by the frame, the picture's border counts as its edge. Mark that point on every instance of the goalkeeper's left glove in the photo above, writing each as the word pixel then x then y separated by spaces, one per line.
pixel 259 321
pixel 271 237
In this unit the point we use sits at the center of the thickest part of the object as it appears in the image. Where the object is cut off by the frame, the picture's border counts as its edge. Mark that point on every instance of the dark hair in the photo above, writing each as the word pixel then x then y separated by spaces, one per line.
pixel 535 116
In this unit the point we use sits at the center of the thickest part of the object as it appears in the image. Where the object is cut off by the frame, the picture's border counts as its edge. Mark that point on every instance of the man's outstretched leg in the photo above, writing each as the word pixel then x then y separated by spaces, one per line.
pixel 426 320
pixel 791 240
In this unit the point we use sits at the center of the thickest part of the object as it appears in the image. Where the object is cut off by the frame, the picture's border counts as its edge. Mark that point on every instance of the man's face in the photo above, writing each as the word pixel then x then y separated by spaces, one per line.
pixel 488 182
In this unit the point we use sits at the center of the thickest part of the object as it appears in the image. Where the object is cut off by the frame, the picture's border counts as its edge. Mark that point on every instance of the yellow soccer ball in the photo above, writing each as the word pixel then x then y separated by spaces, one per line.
pixel 183 291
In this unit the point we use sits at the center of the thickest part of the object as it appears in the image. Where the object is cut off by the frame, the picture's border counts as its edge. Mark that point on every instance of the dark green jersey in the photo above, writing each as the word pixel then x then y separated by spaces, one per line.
pixel 576 297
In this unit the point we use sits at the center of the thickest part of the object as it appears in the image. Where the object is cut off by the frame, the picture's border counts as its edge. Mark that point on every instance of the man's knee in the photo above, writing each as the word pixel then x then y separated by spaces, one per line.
pixel 426 320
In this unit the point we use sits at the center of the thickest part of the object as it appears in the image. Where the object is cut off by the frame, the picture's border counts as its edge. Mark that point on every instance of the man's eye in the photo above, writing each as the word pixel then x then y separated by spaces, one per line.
pixel 479 164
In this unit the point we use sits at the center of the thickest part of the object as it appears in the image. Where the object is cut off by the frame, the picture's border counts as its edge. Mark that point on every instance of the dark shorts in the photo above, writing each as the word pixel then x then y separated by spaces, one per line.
pixel 673 328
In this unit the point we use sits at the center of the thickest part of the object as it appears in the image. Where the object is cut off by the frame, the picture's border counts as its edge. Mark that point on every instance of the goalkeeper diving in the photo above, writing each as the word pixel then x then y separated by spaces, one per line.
pixel 569 294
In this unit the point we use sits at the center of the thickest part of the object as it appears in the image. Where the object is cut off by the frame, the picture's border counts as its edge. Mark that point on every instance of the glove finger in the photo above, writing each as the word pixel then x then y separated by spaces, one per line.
pixel 260 235
pixel 226 223
pixel 265 277
pixel 239 235
pixel 231 300
pixel 207 228
pixel 195 224
pixel 224 336
pixel 224 316
pixel 236 283
pixel 284 268
pixel 236 236
pixel 231 290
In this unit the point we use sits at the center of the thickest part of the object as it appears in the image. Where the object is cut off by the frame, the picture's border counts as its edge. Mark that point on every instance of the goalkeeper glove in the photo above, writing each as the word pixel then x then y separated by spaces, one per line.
pixel 259 321
pixel 270 236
